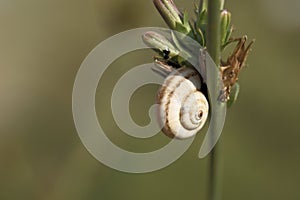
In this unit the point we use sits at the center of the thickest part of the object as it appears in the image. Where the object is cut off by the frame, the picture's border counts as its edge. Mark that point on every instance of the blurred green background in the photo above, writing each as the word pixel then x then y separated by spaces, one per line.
pixel 42 44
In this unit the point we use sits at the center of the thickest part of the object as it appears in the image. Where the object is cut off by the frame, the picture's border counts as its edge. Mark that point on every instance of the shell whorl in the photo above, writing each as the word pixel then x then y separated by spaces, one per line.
pixel 183 109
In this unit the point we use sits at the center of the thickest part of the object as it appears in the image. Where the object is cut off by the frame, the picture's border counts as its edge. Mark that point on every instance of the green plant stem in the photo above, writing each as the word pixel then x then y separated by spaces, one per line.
pixel 214 49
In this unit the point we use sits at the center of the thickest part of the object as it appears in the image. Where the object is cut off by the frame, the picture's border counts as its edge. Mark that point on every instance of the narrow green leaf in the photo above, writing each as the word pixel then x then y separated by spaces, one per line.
pixel 203 4
pixel 233 94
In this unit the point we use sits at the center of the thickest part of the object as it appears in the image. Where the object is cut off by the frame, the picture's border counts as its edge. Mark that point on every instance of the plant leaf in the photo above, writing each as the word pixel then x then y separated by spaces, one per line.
pixel 234 93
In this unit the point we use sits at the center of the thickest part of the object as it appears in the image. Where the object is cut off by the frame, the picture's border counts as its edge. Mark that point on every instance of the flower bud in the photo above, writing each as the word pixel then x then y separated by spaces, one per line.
pixel 173 17
pixel 225 26
pixel 160 43
pixel 169 12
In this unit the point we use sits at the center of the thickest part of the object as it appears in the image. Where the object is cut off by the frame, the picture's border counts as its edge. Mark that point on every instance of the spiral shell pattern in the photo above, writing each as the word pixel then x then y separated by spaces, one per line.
pixel 183 109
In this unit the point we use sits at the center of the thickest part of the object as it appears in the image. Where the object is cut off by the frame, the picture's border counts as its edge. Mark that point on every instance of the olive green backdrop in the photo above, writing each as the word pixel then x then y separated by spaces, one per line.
pixel 42 44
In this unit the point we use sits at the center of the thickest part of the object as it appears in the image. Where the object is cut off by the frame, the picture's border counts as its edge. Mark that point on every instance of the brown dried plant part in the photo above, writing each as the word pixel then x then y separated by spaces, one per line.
pixel 231 68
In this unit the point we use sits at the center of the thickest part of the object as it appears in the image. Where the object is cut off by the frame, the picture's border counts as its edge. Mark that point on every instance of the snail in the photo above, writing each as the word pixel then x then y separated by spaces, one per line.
pixel 183 108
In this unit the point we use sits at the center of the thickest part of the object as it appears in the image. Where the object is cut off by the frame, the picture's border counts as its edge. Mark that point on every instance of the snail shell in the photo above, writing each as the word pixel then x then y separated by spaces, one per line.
pixel 183 109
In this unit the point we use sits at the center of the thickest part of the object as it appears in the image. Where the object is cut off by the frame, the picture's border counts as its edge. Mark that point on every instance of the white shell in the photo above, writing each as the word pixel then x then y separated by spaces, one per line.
pixel 183 109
